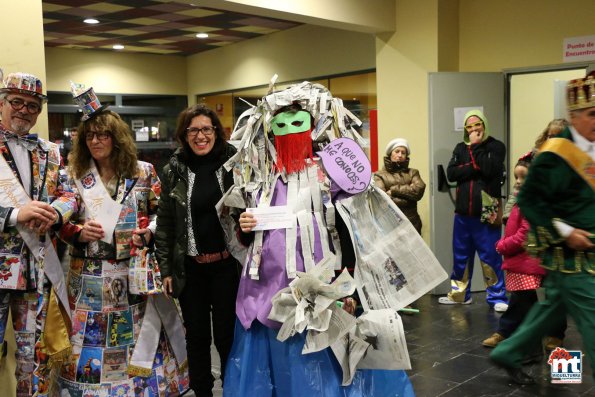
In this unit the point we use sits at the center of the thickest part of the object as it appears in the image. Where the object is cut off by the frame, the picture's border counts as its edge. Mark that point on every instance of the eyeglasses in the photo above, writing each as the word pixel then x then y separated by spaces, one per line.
pixel 206 131
pixel 474 125
pixel 101 136
pixel 18 104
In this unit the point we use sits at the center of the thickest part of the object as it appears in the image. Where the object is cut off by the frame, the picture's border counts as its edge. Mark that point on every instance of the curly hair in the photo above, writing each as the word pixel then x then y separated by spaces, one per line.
pixel 553 128
pixel 185 118
pixel 123 155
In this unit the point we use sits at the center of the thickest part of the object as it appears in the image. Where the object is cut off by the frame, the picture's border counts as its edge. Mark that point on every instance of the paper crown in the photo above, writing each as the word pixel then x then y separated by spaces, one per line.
pixel 23 83
pixel 86 100
pixel 580 93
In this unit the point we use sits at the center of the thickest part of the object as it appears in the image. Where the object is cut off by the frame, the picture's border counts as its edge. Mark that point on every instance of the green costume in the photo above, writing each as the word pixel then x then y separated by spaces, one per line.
pixel 560 185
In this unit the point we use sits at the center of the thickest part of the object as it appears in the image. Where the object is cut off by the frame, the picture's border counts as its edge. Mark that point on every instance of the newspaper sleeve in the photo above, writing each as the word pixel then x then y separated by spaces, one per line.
pixel 394 266
pixel 349 350
pixel 383 331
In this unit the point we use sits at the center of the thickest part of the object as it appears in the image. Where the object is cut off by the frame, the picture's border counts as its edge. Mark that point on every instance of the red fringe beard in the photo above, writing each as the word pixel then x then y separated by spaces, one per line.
pixel 293 150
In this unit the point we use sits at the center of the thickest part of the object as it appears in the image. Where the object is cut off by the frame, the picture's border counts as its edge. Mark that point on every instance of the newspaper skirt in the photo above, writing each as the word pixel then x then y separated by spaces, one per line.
pixel 261 366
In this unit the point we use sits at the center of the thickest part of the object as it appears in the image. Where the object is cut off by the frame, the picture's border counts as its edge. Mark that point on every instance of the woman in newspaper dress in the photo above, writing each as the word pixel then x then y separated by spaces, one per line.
pixel 113 354
pixel 259 364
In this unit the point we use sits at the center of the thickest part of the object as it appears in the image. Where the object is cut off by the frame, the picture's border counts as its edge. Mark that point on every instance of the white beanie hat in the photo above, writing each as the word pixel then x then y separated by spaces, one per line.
pixel 396 143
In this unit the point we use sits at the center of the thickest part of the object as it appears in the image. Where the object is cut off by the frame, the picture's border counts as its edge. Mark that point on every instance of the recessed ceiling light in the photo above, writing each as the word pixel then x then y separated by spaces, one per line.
pixel 202 35
pixel 118 47
pixel 91 21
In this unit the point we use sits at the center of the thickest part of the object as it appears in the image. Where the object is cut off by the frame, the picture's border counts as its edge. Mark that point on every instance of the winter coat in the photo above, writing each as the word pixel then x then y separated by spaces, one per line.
pixel 171 236
pixel 404 186
pixel 476 167
pixel 512 246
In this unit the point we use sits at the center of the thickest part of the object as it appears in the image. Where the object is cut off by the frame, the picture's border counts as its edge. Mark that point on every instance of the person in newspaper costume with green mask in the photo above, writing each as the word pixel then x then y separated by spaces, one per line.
pixel 299 162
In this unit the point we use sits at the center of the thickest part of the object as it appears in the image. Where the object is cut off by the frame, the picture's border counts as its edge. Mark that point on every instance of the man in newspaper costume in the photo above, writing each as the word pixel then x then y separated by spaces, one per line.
pixel 292 339
pixel 31 209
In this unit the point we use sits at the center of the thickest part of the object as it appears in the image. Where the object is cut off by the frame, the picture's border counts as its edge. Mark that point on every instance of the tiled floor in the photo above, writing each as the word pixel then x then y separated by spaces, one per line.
pixel 448 359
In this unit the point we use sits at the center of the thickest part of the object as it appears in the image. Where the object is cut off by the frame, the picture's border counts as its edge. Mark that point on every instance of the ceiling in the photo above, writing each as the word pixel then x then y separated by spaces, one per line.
pixel 149 26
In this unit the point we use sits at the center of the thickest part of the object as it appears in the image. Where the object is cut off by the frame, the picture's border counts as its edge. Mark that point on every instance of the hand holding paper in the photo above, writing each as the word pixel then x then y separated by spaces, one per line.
pixel 268 218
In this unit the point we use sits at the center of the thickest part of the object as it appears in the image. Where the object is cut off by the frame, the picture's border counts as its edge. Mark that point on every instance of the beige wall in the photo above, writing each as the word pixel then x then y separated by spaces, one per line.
pixel 496 35
pixel 403 60
pixel 22 46
pixel 299 53
pixel 116 73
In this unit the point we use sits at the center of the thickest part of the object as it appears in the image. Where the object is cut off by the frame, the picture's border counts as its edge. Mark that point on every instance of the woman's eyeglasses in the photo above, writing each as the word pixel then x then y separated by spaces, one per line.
pixel 469 127
pixel 206 131
pixel 102 136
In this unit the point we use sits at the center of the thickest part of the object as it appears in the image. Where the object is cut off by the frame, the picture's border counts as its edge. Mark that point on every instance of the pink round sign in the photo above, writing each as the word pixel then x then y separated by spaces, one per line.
pixel 347 165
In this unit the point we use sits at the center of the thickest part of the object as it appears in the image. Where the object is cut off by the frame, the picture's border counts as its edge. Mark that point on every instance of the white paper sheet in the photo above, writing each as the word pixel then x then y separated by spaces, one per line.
pixel 268 218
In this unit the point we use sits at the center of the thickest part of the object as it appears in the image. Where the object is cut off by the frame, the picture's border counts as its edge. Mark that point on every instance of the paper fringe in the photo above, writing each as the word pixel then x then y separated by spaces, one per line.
pixel 57 359
pixel 183 366
pixel 135 370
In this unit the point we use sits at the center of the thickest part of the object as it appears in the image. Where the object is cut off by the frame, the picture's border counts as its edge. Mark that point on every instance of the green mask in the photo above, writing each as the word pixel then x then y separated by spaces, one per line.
pixel 291 122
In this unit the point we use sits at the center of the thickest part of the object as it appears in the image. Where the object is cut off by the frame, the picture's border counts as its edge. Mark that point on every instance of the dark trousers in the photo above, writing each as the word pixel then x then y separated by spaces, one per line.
pixel 519 304
pixel 210 292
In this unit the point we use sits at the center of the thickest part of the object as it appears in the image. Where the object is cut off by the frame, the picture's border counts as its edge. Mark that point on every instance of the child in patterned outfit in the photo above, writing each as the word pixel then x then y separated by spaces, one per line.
pixel 523 272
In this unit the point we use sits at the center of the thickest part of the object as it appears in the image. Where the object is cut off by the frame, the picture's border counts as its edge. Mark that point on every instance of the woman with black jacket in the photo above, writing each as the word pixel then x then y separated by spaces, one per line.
pixel 195 263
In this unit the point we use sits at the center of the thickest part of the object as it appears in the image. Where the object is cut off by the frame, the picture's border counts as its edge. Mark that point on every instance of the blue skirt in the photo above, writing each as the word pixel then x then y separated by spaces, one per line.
pixel 261 366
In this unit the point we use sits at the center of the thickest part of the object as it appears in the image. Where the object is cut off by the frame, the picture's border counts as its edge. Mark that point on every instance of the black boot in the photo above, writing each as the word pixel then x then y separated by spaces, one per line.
pixel 517 375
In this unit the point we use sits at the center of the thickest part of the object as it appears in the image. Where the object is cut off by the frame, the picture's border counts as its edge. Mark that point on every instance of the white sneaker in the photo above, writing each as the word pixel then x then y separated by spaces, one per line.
pixel 500 307
pixel 445 300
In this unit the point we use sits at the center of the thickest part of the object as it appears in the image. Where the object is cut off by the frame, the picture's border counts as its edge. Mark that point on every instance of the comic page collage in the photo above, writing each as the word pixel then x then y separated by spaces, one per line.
pixel 107 321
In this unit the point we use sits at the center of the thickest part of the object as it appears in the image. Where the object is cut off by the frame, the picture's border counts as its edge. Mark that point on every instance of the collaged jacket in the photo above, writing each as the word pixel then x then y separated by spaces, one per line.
pixel 138 196
pixel 46 186
pixel 404 186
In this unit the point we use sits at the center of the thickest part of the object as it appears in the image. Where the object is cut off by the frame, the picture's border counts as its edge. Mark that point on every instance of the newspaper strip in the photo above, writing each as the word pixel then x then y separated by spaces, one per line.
pixel 394 265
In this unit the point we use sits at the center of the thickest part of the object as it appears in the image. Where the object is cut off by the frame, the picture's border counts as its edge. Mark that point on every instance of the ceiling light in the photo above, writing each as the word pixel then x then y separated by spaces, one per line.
pixel 118 47
pixel 202 35
pixel 91 21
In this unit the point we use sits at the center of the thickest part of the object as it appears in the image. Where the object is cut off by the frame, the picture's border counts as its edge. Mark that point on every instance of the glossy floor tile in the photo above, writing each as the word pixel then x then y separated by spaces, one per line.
pixel 448 359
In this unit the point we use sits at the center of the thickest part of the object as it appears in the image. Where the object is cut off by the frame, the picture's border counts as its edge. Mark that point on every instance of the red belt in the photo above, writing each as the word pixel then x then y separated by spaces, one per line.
pixel 214 257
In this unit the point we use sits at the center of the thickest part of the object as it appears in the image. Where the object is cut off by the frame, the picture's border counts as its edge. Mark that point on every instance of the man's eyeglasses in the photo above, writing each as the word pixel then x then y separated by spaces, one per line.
pixel 102 136
pixel 206 131
pixel 474 125
pixel 18 104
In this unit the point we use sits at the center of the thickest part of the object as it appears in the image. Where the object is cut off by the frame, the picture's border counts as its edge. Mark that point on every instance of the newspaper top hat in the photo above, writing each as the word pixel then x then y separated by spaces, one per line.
pixel 86 100
pixel 580 93
pixel 23 83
